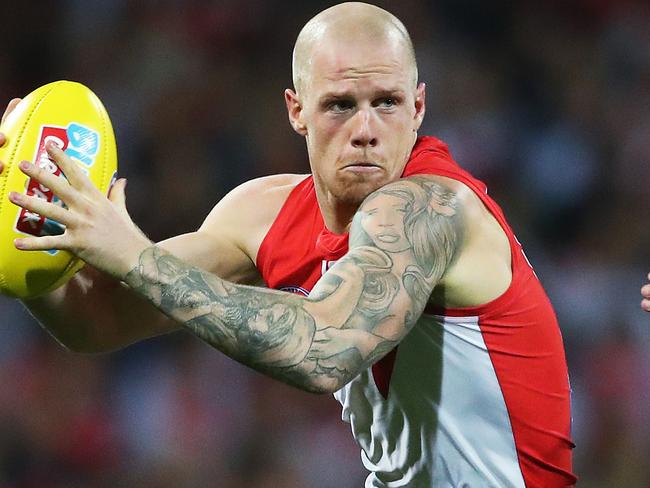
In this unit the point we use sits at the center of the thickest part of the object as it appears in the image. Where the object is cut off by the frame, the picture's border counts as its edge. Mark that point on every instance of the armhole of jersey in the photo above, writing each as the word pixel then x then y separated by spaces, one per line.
pixel 516 253
pixel 261 258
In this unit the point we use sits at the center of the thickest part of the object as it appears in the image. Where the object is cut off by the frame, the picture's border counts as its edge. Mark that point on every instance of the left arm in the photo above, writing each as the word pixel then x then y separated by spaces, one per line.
pixel 402 240
pixel 358 311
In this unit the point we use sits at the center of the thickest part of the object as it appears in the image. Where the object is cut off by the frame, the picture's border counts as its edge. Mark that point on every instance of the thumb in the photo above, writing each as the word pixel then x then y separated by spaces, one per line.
pixel 10 108
pixel 117 194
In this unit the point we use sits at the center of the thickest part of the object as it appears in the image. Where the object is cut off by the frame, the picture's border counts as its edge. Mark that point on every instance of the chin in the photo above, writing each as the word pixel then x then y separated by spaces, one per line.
pixel 355 193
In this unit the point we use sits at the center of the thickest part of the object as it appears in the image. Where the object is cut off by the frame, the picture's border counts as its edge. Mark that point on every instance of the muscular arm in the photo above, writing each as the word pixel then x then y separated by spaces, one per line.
pixel 402 240
pixel 94 312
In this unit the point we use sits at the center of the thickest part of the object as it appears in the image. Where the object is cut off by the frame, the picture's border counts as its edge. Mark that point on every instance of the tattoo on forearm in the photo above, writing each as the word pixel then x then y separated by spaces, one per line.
pixel 253 325
pixel 401 241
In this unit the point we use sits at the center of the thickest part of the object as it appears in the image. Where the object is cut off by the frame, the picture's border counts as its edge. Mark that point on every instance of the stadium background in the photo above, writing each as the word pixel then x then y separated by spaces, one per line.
pixel 548 104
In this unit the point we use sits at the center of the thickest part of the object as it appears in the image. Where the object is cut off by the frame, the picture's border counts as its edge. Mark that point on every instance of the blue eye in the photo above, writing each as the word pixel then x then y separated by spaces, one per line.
pixel 388 102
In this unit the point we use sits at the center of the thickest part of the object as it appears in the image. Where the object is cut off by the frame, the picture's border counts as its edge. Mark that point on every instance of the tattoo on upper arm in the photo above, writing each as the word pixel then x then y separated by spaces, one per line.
pixel 419 217
pixel 402 240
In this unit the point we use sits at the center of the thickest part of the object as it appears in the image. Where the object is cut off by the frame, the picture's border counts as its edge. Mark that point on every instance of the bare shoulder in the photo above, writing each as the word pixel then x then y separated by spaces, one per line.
pixel 437 185
pixel 462 237
pixel 474 212
pixel 463 196
pixel 247 212
pixel 481 270
pixel 255 201
pixel 266 186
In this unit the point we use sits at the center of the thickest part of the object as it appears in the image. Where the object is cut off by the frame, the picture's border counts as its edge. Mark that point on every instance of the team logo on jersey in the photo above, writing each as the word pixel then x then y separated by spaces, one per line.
pixel 325 265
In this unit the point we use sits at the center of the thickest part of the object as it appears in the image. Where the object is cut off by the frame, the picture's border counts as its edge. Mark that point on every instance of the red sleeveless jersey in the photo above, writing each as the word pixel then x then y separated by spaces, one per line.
pixel 471 396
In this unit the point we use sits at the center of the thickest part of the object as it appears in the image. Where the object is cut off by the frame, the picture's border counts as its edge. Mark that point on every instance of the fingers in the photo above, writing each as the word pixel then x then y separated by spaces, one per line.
pixel 57 184
pixel 42 207
pixel 44 243
pixel 645 305
pixel 117 194
pixel 75 176
pixel 10 107
pixel 645 291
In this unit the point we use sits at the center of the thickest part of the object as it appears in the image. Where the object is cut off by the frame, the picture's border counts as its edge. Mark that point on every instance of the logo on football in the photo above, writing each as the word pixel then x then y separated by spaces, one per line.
pixel 71 116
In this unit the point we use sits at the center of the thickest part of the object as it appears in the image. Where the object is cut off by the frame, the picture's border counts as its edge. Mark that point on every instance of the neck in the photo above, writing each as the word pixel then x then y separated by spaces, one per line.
pixel 337 214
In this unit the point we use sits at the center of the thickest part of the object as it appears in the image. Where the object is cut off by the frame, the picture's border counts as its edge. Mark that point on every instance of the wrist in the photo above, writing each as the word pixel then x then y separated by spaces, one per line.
pixel 132 258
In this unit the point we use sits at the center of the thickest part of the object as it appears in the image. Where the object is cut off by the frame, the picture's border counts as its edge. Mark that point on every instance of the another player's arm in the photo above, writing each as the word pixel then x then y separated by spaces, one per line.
pixel 356 313
pixel 645 293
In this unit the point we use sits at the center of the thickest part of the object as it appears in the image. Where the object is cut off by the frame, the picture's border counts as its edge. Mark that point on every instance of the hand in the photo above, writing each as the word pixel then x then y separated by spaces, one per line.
pixel 99 230
pixel 10 108
pixel 645 291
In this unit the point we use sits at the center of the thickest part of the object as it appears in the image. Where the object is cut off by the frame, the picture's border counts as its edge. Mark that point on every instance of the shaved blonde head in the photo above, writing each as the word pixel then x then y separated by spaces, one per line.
pixel 351 23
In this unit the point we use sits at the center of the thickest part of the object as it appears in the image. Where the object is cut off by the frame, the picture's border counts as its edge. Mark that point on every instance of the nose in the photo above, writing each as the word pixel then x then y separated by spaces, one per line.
pixel 384 219
pixel 363 133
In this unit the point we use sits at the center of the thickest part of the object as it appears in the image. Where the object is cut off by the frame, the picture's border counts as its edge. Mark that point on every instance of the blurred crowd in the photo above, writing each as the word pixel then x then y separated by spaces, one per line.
pixel 548 102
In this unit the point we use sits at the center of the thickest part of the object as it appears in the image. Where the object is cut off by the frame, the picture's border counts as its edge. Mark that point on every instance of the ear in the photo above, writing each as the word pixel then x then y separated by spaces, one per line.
pixel 294 109
pixel 420 106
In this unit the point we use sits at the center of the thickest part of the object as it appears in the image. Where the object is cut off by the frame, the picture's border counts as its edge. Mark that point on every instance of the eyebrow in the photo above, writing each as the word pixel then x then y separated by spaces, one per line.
pixel 338 95
pixel 331 96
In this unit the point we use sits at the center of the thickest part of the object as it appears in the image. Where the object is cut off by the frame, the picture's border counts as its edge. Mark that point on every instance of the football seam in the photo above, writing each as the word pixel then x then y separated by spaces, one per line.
pixel 104 113
pixel 3 282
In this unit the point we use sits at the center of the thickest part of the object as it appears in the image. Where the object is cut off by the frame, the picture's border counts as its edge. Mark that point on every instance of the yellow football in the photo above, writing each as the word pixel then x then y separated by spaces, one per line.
pixel 72 116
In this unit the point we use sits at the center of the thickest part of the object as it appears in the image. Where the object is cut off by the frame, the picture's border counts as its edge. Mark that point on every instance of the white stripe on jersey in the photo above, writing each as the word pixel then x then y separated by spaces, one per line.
pixel 445 422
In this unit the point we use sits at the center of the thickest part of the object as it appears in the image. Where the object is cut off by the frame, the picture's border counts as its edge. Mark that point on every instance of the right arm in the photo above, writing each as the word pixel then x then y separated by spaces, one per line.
pixel 94 312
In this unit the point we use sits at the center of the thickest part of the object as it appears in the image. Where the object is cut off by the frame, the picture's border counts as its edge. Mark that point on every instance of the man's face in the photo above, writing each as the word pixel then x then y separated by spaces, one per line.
pixel 360 111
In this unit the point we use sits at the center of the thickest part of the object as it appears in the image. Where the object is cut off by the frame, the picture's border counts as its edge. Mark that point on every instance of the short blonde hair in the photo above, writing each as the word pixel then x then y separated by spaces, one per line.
pixel 356 20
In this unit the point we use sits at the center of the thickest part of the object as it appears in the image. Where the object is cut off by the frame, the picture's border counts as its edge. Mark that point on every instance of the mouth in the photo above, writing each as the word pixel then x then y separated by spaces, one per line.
pixel 362 167
pixel 388 238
